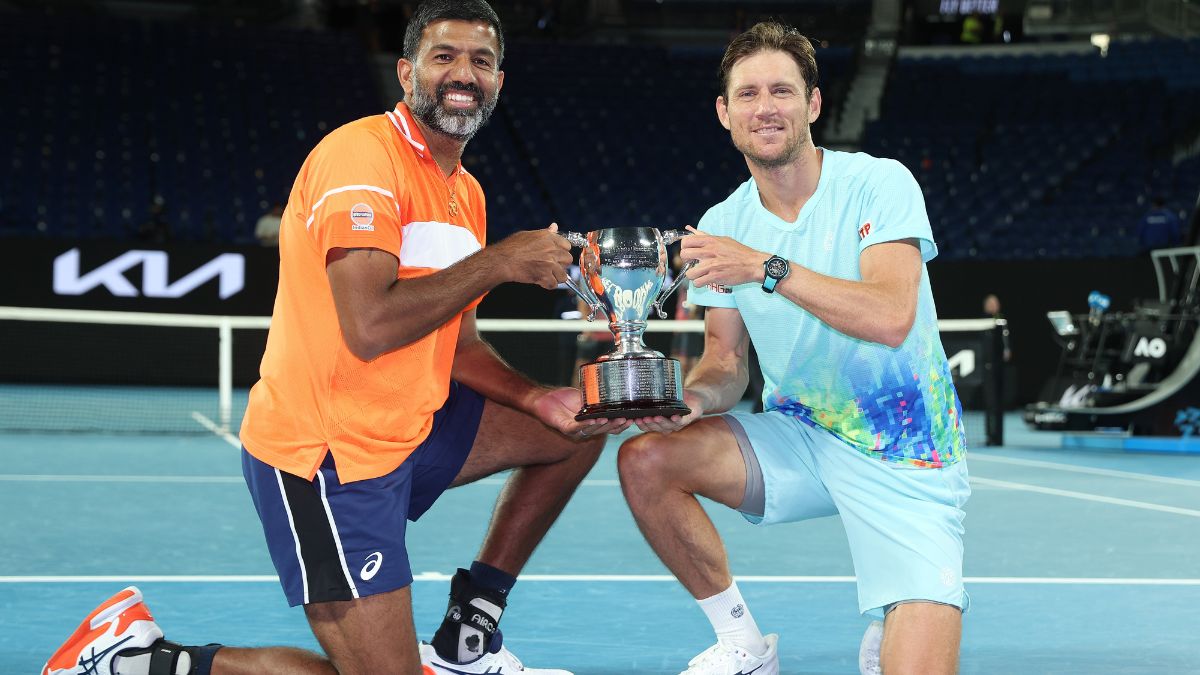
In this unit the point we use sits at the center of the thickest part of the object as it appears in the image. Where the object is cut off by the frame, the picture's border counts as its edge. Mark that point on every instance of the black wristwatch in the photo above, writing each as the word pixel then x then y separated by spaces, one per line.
pixel 776 269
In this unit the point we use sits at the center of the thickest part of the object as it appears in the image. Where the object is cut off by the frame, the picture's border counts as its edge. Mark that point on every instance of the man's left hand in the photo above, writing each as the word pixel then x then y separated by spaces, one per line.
pixel 558 407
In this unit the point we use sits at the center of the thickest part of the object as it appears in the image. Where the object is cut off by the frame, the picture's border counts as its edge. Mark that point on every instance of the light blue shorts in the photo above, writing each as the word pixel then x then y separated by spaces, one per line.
pixel 904 524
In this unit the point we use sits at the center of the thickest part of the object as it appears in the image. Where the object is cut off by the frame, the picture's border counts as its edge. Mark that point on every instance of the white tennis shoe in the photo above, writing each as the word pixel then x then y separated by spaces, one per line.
pixel 120 623
pixel 502 662
pixel 725 659
pixel 868 651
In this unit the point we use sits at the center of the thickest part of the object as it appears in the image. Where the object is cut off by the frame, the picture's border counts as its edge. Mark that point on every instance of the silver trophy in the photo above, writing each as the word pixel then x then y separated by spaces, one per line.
pixel 622 272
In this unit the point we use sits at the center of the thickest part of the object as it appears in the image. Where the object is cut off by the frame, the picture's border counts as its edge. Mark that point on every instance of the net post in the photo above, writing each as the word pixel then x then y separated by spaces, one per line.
pixel 994 384
pixel 225 371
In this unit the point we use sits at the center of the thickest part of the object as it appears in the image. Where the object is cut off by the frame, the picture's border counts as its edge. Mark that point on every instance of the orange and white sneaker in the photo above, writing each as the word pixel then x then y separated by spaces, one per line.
pixel 121 622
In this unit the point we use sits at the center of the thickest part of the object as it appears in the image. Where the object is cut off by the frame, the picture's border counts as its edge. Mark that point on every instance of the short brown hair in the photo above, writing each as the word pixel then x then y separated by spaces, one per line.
pixel 771 35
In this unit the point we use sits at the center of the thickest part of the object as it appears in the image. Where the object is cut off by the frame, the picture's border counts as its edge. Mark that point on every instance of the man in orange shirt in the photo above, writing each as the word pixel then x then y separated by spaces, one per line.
pixel 377 393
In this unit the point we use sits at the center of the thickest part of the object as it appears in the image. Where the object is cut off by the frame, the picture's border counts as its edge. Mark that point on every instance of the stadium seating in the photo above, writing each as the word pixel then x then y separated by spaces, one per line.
pixel 1043 155
pixel 632 139
pixel 103 116
pixel 1019 156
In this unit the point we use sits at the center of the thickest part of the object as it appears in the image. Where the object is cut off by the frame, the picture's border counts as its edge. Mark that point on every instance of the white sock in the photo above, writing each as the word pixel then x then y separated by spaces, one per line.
pixel 731 619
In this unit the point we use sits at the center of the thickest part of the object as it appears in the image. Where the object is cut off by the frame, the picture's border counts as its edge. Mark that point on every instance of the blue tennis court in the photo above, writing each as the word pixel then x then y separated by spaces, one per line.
pixel 1077 561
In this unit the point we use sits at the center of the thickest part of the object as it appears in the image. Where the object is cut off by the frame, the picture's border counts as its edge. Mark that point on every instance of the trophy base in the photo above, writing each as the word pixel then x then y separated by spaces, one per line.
pixel 631 388
pixel 632 410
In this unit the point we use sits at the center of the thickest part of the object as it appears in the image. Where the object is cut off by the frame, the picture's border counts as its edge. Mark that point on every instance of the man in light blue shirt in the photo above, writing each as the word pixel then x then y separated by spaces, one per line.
pixel 819 259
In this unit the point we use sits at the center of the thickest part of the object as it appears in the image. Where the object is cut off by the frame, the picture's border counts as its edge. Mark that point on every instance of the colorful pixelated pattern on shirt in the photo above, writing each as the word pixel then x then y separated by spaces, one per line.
pixel 907 413
pixel 895 404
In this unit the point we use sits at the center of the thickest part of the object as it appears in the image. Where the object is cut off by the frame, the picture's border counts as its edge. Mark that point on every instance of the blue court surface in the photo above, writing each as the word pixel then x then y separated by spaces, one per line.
pixel 1078 561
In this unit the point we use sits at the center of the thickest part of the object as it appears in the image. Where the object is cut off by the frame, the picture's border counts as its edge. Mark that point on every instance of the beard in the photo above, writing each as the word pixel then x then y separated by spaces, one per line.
pixel 791 150
pixel 460 125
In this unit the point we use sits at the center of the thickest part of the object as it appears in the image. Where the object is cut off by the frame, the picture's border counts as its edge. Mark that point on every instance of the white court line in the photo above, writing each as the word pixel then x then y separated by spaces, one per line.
pixel 224 434
pixel 1086 496
pixel 1072 468
pixel 600 578
pixel 233 440
pixel 217 429
pixel 590 482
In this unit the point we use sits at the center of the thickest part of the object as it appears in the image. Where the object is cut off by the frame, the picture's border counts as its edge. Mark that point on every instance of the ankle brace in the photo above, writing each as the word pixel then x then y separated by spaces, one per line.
pixel 472 619
pixel 161 658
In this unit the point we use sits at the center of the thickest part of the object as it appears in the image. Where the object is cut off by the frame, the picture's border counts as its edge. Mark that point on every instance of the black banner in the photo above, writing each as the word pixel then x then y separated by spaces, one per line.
pixel 125 276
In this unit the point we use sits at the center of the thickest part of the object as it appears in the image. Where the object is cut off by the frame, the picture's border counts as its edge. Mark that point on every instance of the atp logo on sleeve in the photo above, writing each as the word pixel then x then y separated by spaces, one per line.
pixel 864 230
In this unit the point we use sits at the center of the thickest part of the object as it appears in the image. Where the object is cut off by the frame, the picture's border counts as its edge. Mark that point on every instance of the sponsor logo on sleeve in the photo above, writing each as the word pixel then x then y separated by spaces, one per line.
pixel 361 217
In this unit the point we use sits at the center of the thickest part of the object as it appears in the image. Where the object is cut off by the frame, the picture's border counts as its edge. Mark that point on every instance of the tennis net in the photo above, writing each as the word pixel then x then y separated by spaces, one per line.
pixel 128 372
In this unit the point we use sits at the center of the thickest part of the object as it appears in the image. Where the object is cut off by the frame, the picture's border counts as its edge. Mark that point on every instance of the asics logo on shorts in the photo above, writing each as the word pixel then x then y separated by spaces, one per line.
pixel 374 562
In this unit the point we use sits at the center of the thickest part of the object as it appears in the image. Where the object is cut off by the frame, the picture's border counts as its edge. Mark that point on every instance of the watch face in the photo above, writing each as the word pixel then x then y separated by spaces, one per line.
pixel 777 267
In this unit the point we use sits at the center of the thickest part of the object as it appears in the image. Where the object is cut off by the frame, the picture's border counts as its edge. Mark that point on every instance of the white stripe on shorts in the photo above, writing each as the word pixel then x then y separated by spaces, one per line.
pixel 337 539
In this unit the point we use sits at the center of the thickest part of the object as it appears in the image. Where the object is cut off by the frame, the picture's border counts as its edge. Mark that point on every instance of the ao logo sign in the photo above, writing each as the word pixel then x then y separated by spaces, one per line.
pixel 228 268
pixel 1154 348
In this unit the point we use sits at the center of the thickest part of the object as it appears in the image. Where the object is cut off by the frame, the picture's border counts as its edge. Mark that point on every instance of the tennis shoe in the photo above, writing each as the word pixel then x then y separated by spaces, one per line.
pixel 868 651
pixel 122 622
pixel 498 662
pixel 727 659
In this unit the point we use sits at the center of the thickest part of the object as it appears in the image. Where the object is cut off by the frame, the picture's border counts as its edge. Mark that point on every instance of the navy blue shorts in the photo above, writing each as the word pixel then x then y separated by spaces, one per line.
pixel 331 541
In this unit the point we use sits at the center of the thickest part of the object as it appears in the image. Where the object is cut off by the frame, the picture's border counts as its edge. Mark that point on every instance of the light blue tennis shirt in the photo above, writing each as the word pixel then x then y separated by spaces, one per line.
pixel 897 405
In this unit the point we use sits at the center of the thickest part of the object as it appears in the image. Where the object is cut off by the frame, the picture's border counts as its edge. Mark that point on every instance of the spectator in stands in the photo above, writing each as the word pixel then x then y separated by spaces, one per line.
pixel 266 230
pixel 1160 227
pixel 377 392
pixel 819 259
pixel 155 228
pixel 972 29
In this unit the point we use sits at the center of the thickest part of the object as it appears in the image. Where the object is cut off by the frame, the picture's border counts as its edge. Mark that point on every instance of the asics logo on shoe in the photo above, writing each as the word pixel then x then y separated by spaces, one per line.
pixel 374 561
pixel 91 664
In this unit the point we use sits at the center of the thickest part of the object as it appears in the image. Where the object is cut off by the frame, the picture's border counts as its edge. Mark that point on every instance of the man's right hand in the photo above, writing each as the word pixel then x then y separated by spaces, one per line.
pixel 538 257
pixel 666 425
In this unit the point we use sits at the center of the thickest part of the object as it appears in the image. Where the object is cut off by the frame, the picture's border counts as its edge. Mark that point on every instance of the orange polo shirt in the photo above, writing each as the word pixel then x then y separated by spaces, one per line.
pixel 370 184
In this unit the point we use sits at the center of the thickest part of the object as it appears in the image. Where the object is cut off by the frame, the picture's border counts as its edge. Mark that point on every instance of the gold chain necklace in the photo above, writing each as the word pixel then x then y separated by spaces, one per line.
pixel 453 205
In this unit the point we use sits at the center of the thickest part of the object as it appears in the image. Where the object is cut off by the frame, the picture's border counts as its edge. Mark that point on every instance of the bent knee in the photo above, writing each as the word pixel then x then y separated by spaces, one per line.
pixel 648 459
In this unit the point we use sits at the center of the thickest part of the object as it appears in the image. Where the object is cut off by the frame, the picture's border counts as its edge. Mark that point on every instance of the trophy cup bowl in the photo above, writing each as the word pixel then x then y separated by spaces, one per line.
pixel 622 273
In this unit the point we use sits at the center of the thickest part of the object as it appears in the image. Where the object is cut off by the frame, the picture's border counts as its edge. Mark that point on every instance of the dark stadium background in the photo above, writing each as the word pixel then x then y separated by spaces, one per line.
pixel 1040 132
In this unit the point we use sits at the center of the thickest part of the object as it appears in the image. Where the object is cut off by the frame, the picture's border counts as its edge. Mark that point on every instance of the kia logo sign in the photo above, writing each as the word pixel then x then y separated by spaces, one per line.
pixel 228 268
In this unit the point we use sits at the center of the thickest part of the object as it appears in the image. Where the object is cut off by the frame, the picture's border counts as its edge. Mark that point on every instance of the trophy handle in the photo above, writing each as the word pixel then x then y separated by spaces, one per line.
pixel 671 236
pixel 662 297
pixel 577 240
pixel 589 298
